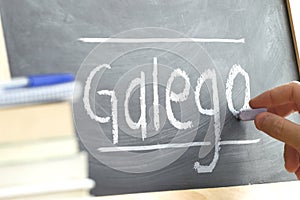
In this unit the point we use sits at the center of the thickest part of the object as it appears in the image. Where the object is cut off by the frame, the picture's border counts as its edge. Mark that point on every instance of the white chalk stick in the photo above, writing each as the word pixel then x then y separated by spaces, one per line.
pixel 250 114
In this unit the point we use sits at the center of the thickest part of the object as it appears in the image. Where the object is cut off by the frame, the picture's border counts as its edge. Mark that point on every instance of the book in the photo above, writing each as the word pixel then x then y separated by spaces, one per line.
pixel 49 190
pixel 39 154
pixel 37 95
pixel 43 121
pixel 38 150
pixel 66 168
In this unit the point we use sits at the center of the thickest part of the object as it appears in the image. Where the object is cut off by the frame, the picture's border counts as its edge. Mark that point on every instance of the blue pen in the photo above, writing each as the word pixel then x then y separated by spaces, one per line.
pixel 37 80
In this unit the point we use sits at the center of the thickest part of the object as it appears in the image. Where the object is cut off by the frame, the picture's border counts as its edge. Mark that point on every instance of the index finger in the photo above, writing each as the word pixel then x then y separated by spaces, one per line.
pixel 288 93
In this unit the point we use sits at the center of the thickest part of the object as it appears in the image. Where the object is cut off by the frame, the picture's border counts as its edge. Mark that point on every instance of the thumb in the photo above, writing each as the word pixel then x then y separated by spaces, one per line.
pixel 279 128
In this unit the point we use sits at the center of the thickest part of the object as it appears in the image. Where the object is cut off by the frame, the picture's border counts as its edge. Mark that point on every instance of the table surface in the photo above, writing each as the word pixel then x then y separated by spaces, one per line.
pixel 274 191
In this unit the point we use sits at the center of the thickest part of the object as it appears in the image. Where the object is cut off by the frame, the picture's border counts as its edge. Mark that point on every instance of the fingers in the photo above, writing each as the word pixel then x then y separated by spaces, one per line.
pixel 298 173
pixel 291 159
pixel 283 110
pixel 288 93
pixel 279 128
pixel 281 101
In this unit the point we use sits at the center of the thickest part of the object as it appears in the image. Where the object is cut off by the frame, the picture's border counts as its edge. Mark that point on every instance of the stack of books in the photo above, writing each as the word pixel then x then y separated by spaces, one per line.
pixel 40 158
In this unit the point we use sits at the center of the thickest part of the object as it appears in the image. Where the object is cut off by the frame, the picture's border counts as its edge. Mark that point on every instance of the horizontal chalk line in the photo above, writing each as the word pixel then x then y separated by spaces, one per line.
pixel 160 40
pixel 172 146
pixel 232 142
pixel 153 147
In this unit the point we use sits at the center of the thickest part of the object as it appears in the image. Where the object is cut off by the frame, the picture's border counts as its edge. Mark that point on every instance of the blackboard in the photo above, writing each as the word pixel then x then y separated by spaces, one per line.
pixel 240 47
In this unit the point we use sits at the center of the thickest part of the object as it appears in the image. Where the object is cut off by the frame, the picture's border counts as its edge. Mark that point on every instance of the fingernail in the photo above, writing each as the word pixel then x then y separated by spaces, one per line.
pixel 251 102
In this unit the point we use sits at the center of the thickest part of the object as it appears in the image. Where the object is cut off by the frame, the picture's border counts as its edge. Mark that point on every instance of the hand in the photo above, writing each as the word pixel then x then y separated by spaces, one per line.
pixel 281 101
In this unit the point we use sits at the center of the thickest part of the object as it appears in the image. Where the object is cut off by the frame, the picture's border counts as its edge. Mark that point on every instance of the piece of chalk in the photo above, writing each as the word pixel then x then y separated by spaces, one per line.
pixel 250 114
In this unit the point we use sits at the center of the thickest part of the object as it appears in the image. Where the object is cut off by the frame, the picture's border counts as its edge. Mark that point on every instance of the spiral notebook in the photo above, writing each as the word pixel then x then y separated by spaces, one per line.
pixel 45 94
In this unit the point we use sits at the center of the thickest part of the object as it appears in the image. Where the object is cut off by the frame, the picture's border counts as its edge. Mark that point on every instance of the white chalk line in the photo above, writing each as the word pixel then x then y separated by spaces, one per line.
pixel 173 146
pixel 160 40
pixel 240 142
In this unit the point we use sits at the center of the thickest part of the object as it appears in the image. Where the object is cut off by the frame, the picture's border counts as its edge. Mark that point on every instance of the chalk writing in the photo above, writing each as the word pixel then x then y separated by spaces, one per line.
pixel 208 76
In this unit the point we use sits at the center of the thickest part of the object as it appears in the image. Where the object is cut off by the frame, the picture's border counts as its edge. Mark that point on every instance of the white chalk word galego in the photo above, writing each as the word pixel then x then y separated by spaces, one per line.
pixel 148 100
